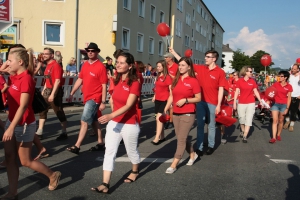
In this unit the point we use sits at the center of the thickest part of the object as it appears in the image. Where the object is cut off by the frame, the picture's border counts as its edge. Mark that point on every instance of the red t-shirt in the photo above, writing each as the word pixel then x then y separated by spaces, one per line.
pixel 2 82
pixel 22 83
pixel 186 88
pixel 173 69
pixel 120 96
pixel 282 92
pixel 210 81
pixel 93 75
pixel 56 73
pixel 162 91
pixel 246 90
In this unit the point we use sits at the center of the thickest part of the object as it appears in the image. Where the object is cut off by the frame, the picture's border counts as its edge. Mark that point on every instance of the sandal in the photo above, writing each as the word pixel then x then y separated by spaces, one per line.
pixel 128 180
pixel 106 185
pixel 57 177
pixel 98 147
pixel 74 149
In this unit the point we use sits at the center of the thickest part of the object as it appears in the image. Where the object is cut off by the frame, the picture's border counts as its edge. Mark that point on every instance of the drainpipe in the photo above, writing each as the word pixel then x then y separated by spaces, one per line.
pixel 76 36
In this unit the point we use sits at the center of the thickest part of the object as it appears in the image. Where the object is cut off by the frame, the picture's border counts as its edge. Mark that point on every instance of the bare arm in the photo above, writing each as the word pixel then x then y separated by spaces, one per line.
pixel 172 51
pixel 102 105
pixel 220 97
pixel 37 68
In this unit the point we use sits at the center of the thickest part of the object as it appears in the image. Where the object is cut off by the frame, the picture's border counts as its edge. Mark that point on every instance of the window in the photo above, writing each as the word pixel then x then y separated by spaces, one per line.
pixel 152 13
pixel 192 33
pixel 161 17
pixel 127 4
pixel 151 45
pixel 160 48
pixel 125 38
pixel 197 27
pixel 187 41
pixel 198 8
pixel 180 5
pixel 190 1
pixel 141 8
pixel 54 33
pixel 178 27
pixel 188 19
pixel 193 15
pixel 140 42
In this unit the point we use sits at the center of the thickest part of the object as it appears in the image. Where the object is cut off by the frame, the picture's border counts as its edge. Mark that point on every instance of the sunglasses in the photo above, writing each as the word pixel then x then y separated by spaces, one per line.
pixel 92 50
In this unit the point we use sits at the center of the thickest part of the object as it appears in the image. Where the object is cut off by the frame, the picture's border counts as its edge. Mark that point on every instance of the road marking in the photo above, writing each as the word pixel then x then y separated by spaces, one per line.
pixel 268 156
pixel 147 160
pixel 282 161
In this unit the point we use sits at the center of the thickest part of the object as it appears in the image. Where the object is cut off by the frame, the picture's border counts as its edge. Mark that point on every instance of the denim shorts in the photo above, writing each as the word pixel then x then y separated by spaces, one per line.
pixel 278 107
pixel 89 114
pixel 23 133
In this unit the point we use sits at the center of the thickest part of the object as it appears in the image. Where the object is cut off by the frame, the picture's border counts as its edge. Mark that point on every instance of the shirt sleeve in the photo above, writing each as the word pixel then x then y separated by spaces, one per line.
pixel 103 75
pixel 68 68
pixel 196 86
pixel 222 80
pixel 27 85
pixel 2 80
pixel 168 80
pixel 135 88
pixel 56 72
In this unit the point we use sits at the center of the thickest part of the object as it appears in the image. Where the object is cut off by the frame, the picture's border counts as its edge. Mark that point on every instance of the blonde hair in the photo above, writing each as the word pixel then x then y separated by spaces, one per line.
pixel 71 60
pixel 26 55
pixel 244 70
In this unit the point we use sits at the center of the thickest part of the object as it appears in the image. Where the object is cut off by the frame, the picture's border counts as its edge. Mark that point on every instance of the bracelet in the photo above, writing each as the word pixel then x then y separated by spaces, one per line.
pixel 186 100
pixel 103 102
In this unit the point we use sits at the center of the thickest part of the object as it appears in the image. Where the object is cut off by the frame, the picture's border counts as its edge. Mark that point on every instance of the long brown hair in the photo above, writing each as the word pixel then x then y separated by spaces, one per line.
pixel 132 75
pixel 26 56
pixel 165 71
pixel 191 72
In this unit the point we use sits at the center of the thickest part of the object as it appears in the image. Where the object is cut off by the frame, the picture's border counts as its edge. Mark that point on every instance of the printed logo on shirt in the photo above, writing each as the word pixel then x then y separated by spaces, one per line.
pixel 250 84
pixel 14 87
pixel 187 84
pixel 285 88
pixel 162 80
pixel 92 74
pixel 125 88
pixel 211 76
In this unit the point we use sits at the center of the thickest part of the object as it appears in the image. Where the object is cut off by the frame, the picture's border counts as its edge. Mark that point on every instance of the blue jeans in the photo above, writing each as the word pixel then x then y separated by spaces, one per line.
pixel 89 114
pixel 206 113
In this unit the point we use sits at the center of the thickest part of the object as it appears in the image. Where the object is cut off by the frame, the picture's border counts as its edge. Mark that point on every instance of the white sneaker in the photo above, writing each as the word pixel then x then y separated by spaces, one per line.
pixel 170 170
pixel 191 161
pixel 223 141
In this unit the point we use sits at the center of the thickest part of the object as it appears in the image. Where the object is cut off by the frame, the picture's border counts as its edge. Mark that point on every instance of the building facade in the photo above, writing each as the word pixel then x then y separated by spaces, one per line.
pixel 228 57
pixel 69 25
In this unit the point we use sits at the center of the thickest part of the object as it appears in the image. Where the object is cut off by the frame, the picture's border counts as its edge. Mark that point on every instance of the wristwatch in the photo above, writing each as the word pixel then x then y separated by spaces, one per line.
pixel 186 100
pixel 103 102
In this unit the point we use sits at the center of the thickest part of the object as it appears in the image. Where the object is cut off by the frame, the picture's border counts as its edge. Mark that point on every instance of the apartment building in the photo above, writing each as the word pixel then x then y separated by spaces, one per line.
pixel 69 25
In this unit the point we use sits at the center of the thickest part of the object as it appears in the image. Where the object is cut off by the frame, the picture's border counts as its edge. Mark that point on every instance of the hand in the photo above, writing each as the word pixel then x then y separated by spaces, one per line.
pixel 180 103
pixel 51 98
pixel 70 99
pixel 153 99
pixel 171 50
pixel 7 136
pixel 285 111
pixel 218 109
pixel 5 66
pixel 104 119
pixel 102 106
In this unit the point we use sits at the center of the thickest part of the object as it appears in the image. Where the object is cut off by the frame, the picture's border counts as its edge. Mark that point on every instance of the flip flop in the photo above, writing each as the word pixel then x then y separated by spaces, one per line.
pixel 41 156
pixel 57 176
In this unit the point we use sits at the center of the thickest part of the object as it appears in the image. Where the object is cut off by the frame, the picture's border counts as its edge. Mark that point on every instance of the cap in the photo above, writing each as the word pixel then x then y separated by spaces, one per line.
pixel 169 55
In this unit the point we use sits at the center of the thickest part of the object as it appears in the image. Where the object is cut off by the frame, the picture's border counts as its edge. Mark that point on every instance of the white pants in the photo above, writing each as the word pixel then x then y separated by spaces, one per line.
pixel 246 113
pixel 114 134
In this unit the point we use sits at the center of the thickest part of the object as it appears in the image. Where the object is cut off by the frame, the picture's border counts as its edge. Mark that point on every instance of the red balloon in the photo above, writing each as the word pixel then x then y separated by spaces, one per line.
pixel 298 60
pixel 164 118
pixel 163 29
pixel 270 93
pixel 266 60
pixel 188 53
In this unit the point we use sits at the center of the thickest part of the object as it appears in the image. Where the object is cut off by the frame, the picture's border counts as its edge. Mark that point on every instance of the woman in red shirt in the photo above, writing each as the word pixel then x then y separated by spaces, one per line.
pixel 281 106
pixel 21 125
pixel 162 93
pixel 184 95
pixel 245 87
pixel 122 122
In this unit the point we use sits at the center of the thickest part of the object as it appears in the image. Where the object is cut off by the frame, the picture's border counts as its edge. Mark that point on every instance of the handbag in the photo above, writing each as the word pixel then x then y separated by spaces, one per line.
pixel 38 104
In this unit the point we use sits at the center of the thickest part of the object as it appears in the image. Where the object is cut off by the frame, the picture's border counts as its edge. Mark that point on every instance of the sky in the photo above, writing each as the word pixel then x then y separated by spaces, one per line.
pixel 269 25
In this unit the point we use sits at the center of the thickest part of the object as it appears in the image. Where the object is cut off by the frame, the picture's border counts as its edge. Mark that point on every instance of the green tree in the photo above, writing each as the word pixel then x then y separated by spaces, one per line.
pixel 255 61
pixel 239 59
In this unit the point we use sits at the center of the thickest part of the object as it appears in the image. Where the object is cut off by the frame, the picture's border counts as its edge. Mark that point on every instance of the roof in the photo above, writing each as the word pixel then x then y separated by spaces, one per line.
pixel 226 48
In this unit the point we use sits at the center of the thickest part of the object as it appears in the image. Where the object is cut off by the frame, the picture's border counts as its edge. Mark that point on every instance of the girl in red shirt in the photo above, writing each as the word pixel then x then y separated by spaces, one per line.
pixel 184 95
pixel 122 122
pixel 21 126
pixel 162 94
pixel 245 87
pixel 281 106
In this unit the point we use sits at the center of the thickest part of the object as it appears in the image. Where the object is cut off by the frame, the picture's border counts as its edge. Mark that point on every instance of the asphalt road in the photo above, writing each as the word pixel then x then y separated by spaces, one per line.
pixel 256 170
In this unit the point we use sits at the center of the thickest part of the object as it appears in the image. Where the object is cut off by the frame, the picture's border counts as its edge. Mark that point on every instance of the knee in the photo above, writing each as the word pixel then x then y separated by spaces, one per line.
pixel 84 124
pixel 26 163
pixel 275 121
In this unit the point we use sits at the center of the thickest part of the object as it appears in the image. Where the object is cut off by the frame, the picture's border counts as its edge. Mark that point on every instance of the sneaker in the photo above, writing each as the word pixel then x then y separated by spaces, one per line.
pixel 286 125
pixel 244 140
pixel 278 138
pixel 199 153
pixel 62 136
pixel 223 141
pixel 272 141
pixel 291 128
pixel 241 134
pixel 170 170
pixel 191 161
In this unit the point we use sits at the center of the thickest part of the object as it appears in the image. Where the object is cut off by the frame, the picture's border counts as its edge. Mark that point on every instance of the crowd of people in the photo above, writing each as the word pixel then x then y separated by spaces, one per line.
pixel 183 92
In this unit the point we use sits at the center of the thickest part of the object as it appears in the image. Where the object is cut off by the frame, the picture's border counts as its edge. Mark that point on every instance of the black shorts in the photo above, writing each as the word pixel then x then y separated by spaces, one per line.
pixel 160 106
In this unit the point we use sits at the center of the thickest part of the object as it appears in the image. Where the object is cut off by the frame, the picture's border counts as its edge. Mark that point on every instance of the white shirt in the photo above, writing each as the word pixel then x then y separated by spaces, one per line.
pixel 294 81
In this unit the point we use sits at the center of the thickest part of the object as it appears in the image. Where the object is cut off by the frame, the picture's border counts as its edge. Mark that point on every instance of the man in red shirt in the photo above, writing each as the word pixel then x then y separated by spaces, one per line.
pixel 93 79
pixel 172 69
pixel 212 81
